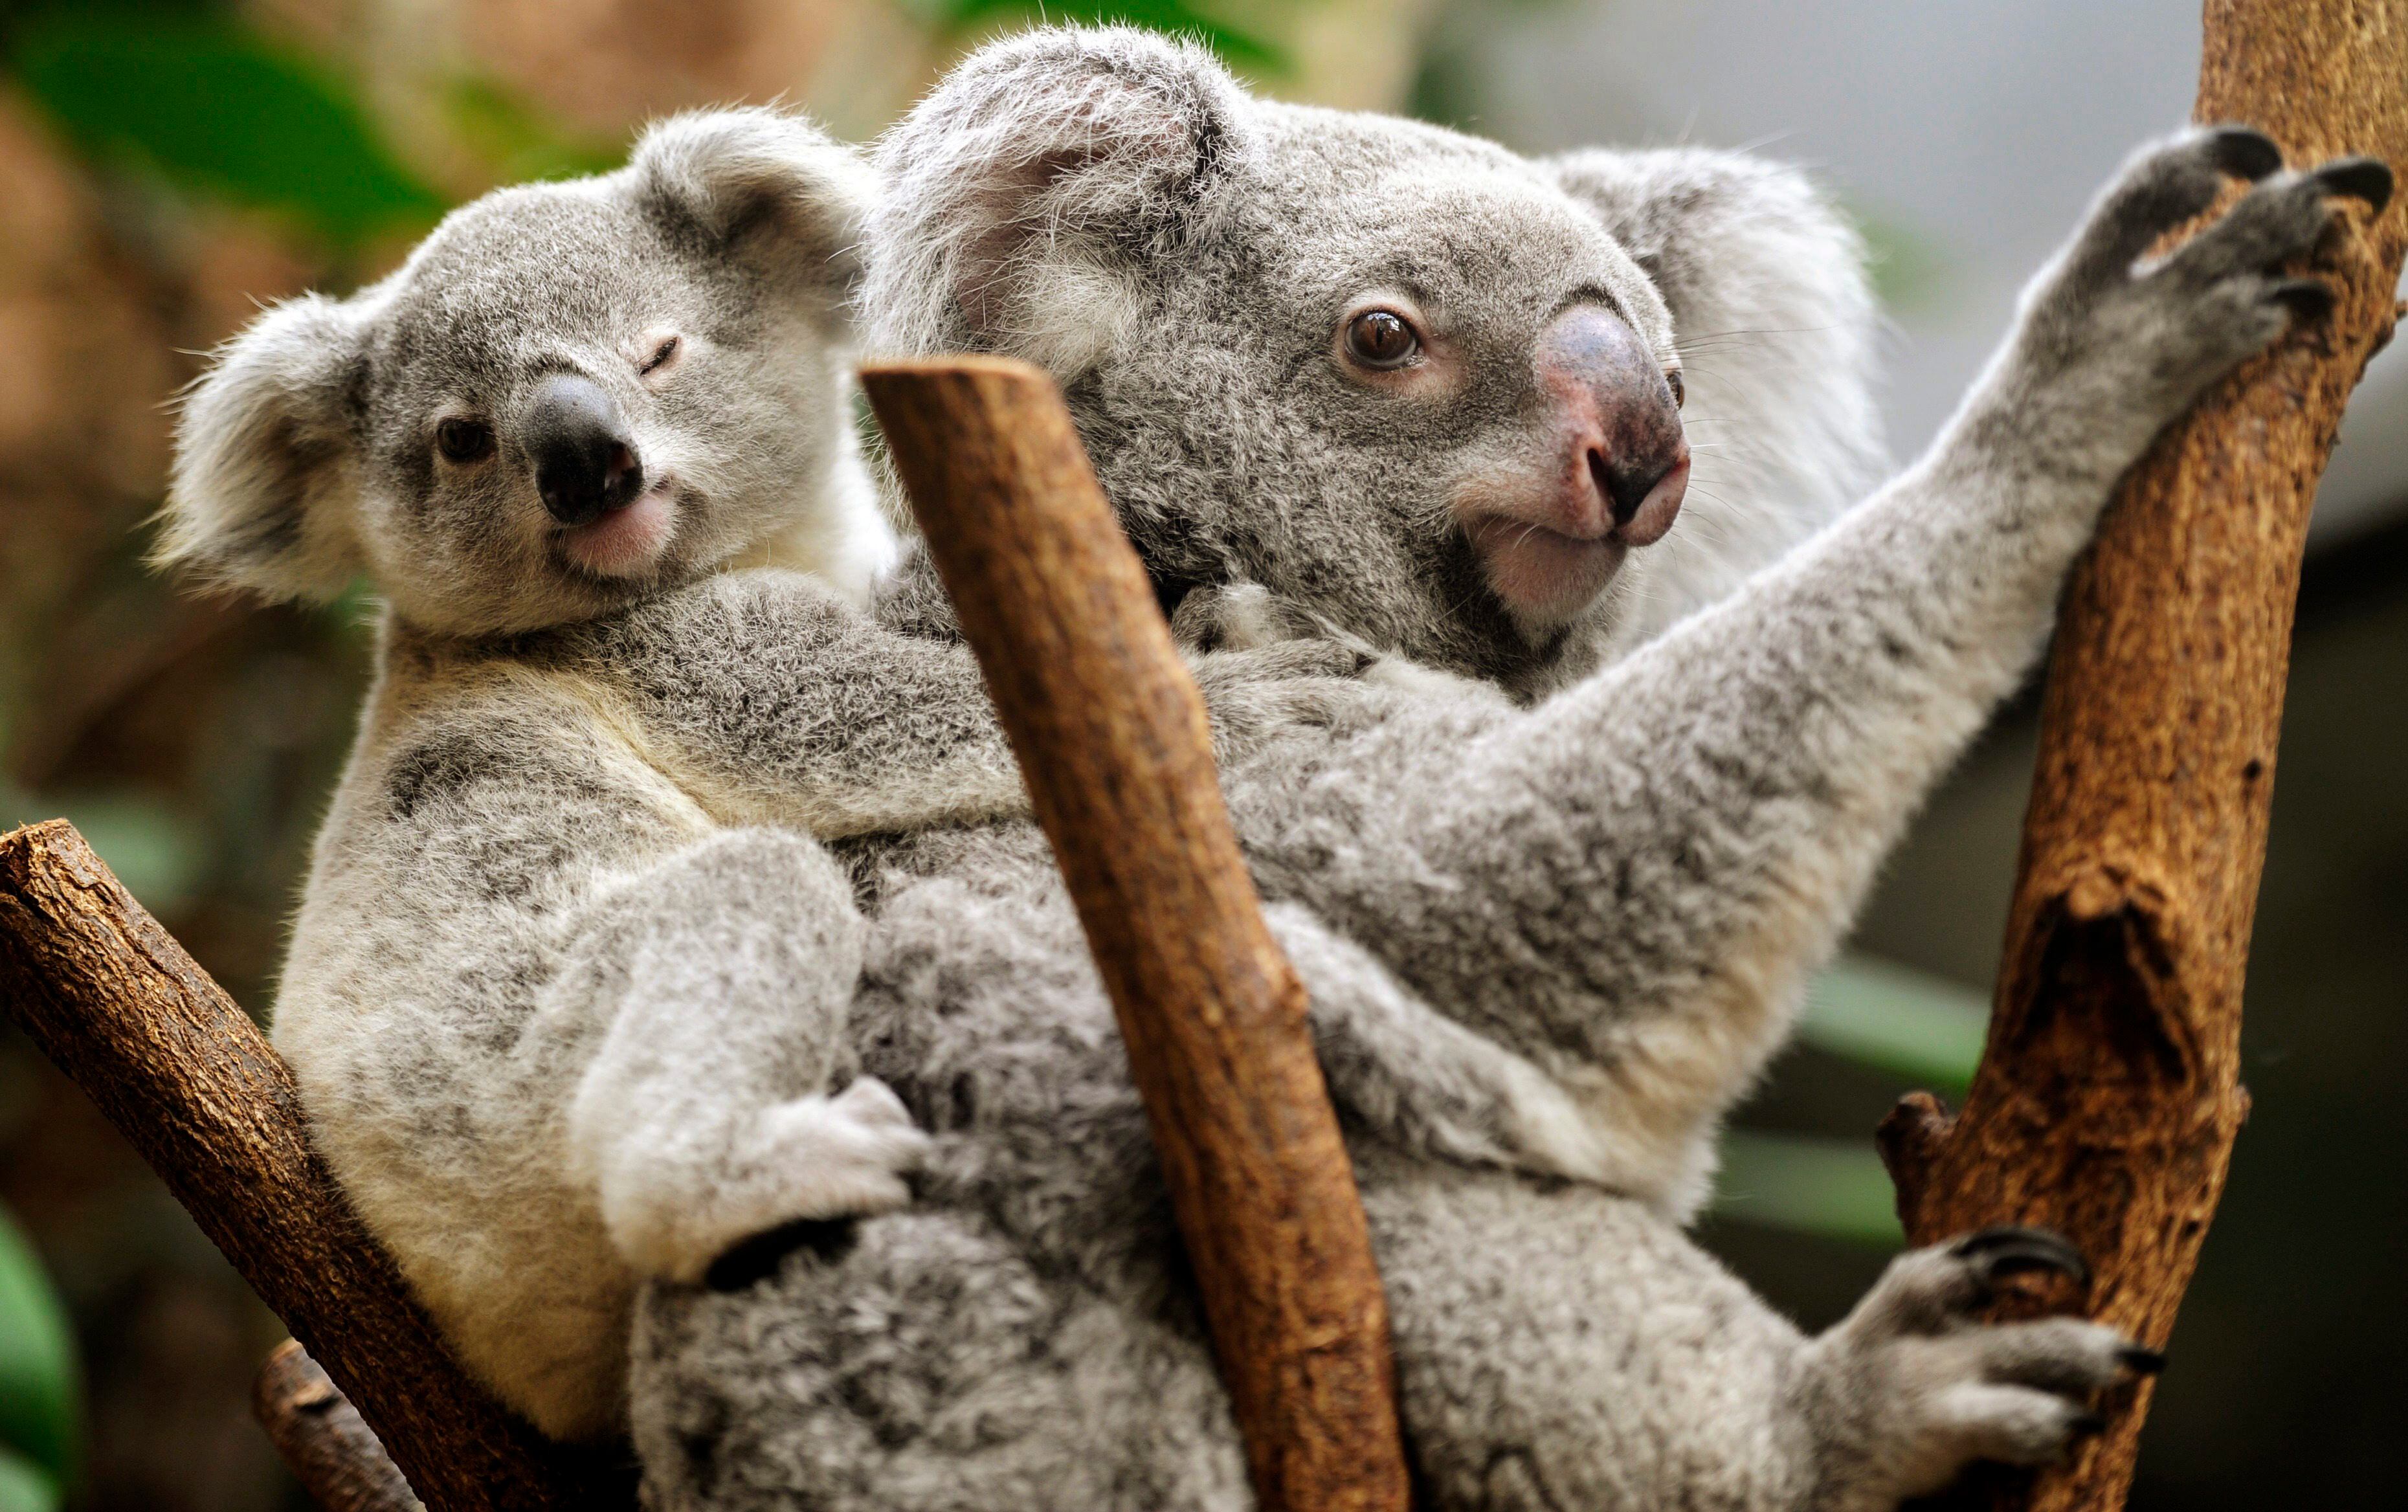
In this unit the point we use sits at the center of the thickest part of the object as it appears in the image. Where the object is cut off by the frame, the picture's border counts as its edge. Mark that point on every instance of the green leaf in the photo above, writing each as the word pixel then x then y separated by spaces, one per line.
pixel 1832 1187
pixel 1176 17
pixel 215 110
pixel 38 1391
pixel 1921 1028
pixel 519 145
pixel 24 1487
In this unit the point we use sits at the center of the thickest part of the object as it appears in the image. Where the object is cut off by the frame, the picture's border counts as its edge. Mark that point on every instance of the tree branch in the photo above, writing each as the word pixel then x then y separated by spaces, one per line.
pixel 330 1450
pixel 1112 738
pixel 190 1082
pixel 2109 1095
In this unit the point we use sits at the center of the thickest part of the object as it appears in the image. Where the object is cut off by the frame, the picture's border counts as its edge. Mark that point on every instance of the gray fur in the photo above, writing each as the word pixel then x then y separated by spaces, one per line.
pixel 568 988
pixel 1548 943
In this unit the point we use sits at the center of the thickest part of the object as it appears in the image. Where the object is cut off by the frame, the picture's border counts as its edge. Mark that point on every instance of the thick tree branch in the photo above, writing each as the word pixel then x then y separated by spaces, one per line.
pixel 2109 1095
pixel 1111 737
pixel 195 1088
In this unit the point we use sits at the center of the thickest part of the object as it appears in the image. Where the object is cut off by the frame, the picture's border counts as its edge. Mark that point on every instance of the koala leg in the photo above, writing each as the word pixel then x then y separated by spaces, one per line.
pixel 1629 882
pixel 919 1362
pixel 1560 1346
pixel 722 979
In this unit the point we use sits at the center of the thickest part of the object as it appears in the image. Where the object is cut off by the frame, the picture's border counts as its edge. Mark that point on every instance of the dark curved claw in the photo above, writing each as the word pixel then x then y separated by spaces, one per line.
pixel 2245 152
pixel 2362 179
pixel 2308 299
pixel 2011 1249
pixel 2141 1360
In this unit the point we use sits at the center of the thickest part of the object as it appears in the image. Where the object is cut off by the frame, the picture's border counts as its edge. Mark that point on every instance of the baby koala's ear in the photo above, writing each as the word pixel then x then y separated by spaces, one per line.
pixel 263 489
pixel 1036 182
pixel 765 186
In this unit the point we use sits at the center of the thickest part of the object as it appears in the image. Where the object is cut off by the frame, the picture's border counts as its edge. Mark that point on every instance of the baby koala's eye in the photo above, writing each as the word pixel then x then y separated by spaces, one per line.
pixel 1382 339
pixel 1680 389
pixel 465 440
pixel 663 354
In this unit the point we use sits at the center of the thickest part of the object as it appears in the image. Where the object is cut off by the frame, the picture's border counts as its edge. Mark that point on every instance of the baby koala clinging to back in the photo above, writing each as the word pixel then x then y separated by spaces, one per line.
pixel 567 992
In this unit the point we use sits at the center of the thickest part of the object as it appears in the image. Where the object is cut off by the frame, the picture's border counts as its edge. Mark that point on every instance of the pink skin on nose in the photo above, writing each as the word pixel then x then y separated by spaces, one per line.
pixel 1612 480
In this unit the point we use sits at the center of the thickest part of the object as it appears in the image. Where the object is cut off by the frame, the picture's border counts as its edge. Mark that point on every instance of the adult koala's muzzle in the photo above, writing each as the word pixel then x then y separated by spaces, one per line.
pixel 586 462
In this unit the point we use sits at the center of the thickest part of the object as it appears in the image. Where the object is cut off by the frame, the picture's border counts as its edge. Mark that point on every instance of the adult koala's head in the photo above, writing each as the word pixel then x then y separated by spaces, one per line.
pixel 570 395
pixel 1422 384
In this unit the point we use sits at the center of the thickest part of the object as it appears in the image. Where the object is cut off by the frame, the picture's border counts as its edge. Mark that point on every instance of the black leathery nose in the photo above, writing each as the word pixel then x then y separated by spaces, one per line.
pixel 586 462
pixel 1626 487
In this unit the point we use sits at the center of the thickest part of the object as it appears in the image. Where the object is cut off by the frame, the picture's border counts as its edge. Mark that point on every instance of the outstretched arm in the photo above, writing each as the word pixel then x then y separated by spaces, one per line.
pixel 1629 882
pixel 772 702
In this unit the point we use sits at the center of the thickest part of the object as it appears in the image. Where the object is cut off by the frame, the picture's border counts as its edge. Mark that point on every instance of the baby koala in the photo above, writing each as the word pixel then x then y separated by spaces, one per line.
pixel 567 994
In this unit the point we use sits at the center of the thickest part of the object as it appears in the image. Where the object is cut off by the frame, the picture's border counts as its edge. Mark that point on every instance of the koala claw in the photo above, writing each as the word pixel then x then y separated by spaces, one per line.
pixel 2362 178
pixel 1915 1388
pixel 2011 1249
pixel 2243 152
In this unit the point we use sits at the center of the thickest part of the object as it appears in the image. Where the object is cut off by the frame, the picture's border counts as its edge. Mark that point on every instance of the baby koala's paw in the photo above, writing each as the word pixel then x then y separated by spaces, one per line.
pixel 814 1158
pixel 1911 1388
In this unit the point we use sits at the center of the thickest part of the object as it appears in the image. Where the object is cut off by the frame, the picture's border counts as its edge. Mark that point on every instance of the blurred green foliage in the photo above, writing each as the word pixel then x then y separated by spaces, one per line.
pixel 210 107
pixel 39 1391
pixel 1920 1029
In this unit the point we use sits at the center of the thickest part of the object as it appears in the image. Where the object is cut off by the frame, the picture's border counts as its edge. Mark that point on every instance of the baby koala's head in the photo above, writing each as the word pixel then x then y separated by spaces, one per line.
pixel 570 396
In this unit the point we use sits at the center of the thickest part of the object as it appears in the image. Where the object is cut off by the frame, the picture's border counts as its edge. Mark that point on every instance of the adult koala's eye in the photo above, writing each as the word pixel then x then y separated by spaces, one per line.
pixel 465 440
pixel 1381 338
pixel 1680 389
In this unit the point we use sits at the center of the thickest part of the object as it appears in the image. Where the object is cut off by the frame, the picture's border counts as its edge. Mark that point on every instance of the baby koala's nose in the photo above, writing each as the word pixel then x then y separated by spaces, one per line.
pixel 585 463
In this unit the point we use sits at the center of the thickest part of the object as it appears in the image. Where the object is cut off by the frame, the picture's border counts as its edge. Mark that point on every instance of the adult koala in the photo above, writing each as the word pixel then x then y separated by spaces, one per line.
pixel 1423 389
pixel 566 994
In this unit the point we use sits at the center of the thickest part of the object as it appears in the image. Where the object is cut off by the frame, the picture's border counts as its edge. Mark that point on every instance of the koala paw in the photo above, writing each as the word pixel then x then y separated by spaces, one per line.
pixel 816 1158
pixel 2160 330
pixel 1911 1388
pixel 1256 694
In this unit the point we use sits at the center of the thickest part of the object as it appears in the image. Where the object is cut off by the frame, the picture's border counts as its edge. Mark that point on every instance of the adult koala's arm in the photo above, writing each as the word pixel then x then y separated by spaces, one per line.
pixel 1629 882
pixel 773 700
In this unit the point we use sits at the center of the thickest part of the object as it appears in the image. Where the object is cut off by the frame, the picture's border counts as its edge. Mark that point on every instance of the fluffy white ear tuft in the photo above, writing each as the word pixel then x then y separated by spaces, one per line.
pixel 764 185
pixel 264 481
pixel 1029 188
pixel 1776 325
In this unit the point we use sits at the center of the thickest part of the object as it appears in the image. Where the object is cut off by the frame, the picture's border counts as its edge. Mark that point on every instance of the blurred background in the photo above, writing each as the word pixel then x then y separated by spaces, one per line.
pixel 167 167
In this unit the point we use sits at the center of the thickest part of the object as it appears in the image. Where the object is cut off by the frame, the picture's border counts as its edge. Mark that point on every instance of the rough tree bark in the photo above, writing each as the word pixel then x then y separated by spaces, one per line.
pixel 331 1450
pixel 2109 1095
pixel 195 1088
pixel 1113 738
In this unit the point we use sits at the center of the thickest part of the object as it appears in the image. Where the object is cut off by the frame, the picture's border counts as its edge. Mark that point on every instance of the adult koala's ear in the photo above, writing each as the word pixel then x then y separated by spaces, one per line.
pixel 1030 191
pixel 266 477
pixel 764 186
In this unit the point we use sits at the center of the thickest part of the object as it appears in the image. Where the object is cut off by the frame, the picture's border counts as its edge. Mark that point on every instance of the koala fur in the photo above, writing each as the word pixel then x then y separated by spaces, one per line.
pixel 1548 939
pixel 568 991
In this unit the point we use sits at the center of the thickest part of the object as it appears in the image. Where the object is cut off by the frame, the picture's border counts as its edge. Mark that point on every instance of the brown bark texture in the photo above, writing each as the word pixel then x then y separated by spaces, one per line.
pixel 328 1447
pixel 1113 738
pixel 162 1051
pixel 2109 1096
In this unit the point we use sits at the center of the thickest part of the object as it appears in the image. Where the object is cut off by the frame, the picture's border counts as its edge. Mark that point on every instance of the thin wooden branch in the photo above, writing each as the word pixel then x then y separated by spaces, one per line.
pixel 1112 735
pixel 2109 1095
pixel 332 1453
pixel 195 1088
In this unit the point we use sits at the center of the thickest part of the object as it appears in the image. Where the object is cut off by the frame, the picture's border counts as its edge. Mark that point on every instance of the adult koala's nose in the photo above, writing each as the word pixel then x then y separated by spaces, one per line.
pixel 586 462
pixel 1622 464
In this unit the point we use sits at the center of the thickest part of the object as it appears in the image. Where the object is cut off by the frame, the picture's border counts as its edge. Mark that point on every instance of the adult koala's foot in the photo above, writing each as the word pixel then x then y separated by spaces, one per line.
pixel 1911 1388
